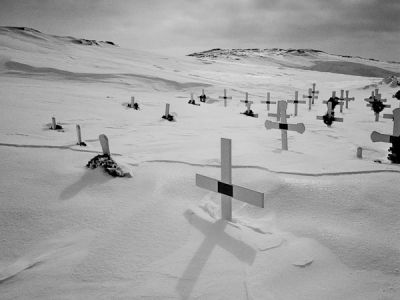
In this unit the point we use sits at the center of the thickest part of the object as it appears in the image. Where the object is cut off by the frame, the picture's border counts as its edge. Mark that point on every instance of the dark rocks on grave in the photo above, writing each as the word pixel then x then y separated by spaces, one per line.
pixel 135 106
pixel 58 127
pixel 397 95
pixel 83 144
pixel 108 164
pixel 168 118
pixel 249 113
pixel 377 106
pixel 203 98
pixel 334 100
pixel 329 118
pixel 394 155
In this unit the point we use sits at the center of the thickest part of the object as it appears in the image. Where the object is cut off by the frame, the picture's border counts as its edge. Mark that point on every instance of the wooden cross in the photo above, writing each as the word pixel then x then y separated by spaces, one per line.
pixel 328 118
pixel 53 123
pixel 225 97
pixel 341 99
pixel 283 126
pixel 296 101
pixel 314 93
pixel 203 96
pixel 376 103
pixel 225 186
pixel 278 115
pixel 248 104
pixel 347 99
pixel 386 138
pixel 334 97
pixel 167 116
pixel 104 144
pixel 78 133
pixel 310 98
pixel 268 102
pixel 191 101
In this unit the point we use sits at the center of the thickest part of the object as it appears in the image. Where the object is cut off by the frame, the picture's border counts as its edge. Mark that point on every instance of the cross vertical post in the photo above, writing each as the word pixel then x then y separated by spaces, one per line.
pixel 226 177
pixel 53 123
pixel 296 102
pixel 132 101
pixel 283 121
pixel 78 133
pixel 314 93
pixel 166 109
pixel 225 98
pixel 104 144
pixel 268 102
pixel 309 97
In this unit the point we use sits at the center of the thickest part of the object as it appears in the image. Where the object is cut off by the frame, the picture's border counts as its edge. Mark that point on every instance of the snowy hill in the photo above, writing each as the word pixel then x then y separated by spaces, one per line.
pixel 307 59
pixel 330 227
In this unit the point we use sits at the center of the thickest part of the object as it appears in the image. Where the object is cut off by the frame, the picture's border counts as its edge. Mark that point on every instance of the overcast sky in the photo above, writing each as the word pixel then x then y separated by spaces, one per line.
pixel 368 28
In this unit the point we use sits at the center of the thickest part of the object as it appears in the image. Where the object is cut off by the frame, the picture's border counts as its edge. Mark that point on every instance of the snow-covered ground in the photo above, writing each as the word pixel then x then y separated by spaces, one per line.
pixel 330 228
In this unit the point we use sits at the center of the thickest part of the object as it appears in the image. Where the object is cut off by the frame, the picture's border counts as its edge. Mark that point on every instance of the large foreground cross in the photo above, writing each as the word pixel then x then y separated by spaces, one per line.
pixel 225 186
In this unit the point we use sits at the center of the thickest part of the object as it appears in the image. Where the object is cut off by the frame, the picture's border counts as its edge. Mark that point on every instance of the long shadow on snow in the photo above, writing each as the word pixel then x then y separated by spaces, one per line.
pixel 214 236
pixel 89 178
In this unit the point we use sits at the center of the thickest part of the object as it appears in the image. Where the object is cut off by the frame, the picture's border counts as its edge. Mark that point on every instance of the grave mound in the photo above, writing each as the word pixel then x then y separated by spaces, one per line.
pixel 108 164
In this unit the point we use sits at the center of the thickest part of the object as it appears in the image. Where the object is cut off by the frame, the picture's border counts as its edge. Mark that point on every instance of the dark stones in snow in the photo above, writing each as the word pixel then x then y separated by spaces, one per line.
pixel 108 164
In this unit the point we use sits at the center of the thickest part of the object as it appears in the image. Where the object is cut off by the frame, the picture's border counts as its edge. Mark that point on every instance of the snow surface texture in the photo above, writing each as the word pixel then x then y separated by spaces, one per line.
pixel 330 228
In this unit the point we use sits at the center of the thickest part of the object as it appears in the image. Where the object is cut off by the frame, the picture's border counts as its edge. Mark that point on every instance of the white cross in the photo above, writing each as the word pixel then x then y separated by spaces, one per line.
pixel 341 100
pixel 310 98
pixel 347 99
pixel 283 126
pixel 386 138
pixel 314 93
pixel 247 102
pixel 225 186
pixel 225 97
pixel 104 144
pixel 376 98
pixel 330 113
pixel 278 115
pixel 268 102
pixel 296 101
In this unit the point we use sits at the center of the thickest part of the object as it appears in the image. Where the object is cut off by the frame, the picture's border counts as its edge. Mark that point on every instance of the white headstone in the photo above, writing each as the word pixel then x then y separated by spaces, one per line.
pixel 104 144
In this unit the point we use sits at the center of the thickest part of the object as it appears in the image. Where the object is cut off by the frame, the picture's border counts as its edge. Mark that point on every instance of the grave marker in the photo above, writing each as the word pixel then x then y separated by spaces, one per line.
pixel 347 99
pixel 167 116
pixel 268 101
pixel 309 97
pixel 314 93
pixel 191 101
pixel 78 133
pixel 283 126
pixel 225 97
pixel 394 138
pixel 278 115
pixel 248 104
pixel 104 144
pixel 133 104
pixel 341 100
pixel 329 117
pixel 376 103
pixel 296 101
pixel 225 186
pixel 203 96
pixel 53 123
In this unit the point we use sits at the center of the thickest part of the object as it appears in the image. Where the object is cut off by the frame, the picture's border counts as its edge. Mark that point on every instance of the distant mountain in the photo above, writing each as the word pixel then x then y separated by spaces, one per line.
pixel 30 33
pixel 307 59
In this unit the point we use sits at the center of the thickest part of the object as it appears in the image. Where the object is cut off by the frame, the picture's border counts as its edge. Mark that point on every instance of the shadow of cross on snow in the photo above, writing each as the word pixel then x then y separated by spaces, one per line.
pixel 215 235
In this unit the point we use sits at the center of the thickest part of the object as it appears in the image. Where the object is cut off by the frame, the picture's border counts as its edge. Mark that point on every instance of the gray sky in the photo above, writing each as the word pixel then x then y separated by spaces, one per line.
pixel 368 28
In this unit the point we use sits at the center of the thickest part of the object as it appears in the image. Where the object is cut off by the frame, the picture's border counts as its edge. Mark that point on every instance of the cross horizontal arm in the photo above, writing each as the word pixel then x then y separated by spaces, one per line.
pixel 237 192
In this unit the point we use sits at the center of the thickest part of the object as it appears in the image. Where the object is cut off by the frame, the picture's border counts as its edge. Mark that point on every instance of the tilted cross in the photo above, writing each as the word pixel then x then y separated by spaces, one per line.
pixel 268 101
pixel 296 101
pixel 225 186
pixel 225 97
pixel 394 138
pixel 283 126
